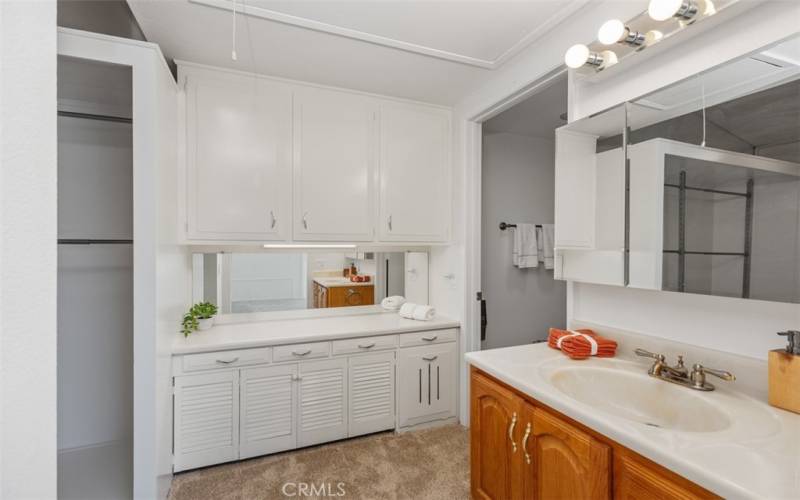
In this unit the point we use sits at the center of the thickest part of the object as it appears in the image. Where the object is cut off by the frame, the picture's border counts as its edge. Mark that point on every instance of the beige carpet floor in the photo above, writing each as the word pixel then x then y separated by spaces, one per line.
pixel 431 464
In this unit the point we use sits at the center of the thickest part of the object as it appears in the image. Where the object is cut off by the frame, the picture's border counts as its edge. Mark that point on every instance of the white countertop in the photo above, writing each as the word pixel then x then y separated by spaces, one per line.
pixel 292 331
pixel 747 460
pixel 335 282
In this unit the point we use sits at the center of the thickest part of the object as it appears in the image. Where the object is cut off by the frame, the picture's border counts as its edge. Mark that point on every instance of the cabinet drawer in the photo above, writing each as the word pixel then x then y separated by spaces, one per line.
pixel 365 344
pixel 429 337
pixel 295 352
pixel 225 359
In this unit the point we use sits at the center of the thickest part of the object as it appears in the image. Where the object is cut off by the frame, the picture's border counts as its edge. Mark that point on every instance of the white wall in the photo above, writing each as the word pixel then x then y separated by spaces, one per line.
pixel 27 249
pixel 738 326
pixel 517 186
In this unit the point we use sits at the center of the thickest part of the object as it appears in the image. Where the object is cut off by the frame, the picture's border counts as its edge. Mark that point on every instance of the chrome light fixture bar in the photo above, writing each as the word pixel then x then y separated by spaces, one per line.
pixel 662 19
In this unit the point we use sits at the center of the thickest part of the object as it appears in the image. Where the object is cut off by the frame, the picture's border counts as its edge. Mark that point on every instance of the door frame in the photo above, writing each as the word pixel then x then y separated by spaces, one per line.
pixel 471 132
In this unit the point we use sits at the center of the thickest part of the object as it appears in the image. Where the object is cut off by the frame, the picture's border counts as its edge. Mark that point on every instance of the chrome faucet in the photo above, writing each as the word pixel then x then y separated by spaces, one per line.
pixel 679 374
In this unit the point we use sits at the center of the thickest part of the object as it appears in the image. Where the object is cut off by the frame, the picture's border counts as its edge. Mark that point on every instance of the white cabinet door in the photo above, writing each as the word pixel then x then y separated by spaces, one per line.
pixel 322 401
pixel 575 190
pixel 268 409
pixel 371 393
pixel 206 419
pixel 238 153
pixel 414 173
pixel 334 159
pixel 427 389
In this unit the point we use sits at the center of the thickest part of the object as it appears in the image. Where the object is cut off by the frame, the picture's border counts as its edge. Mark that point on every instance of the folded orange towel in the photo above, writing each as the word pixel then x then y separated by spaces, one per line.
pixel 576 345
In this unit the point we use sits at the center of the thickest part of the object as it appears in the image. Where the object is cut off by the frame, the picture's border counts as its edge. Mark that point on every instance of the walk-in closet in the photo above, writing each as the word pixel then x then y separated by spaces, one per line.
pixel 95 280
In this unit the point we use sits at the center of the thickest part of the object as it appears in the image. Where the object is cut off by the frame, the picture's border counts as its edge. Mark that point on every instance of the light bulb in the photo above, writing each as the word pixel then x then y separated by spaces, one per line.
pixel 576 56
pixel 661 10
pixel 611 32
pixel 652 36
pixel 609 58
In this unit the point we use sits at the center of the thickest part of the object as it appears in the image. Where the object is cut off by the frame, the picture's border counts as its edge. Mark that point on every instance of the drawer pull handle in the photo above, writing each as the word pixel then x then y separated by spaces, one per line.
pixel 432 358
pixel 227 362
pixel 430 339
pixel 525 443
pixel 367 346
pixel 304 353
pixel 511 432
pixel 296 378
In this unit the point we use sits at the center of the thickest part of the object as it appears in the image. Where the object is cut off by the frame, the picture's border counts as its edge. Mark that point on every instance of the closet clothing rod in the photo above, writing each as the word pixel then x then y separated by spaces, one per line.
pixel 90 116
pixel 705 190
pixel 505 225
pixel 93 242
pixel 686 252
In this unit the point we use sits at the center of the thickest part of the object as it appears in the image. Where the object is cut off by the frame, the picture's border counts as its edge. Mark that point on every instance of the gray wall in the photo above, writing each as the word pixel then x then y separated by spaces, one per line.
pixel 110 17
pixel 517 186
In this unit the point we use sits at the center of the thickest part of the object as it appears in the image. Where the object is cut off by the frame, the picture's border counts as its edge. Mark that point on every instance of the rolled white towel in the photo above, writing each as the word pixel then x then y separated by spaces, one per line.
pixel 407 310
pixel 393 303
pixel 424 313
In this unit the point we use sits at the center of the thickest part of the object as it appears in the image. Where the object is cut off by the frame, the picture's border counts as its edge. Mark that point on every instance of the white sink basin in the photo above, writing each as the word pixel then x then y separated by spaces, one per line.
pixel 640 398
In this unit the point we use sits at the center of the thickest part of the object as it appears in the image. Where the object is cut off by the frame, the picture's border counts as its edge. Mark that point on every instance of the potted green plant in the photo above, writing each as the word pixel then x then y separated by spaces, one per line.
pixel 199 317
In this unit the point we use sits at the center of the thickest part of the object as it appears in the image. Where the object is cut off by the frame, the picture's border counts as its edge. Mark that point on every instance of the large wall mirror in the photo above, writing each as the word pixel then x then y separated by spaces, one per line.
pixel 241 283
pixel 715 181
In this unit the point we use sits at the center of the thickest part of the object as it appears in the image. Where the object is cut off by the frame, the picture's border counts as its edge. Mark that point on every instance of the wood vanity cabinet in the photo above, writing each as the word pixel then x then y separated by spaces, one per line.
pixel 520 449
pixel 343 296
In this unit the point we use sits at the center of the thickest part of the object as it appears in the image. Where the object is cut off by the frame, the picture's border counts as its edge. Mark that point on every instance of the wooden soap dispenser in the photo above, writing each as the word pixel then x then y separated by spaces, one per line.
pixel 784 374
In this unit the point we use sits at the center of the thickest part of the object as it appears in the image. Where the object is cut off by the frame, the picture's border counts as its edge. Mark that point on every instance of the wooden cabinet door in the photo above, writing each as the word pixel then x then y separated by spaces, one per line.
pixel 563 462
pixel 347 296
pixel 371 405
pixel 268 410
pixel 206 419
pixel 495 448
pixel 636 478
pixel 322 401
pixel 238 157
pixel 334 166
pixel 414 173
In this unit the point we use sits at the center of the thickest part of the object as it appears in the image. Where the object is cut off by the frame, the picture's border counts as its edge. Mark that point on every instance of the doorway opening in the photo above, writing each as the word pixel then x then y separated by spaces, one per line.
pixel 521 300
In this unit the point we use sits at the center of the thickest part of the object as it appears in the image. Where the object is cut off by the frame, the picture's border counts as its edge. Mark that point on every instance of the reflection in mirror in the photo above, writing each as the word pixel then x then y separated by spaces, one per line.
pixel 268 282
pixel 715 181
pixel 590 199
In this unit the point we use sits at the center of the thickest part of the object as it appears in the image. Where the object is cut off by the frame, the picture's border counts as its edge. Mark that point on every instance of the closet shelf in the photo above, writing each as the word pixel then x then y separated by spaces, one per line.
pixel 67 241
pixel 91 116
pixel 687 252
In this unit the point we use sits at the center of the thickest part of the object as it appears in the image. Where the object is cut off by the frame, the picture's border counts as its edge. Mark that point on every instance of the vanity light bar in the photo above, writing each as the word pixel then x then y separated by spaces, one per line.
pixel 661 13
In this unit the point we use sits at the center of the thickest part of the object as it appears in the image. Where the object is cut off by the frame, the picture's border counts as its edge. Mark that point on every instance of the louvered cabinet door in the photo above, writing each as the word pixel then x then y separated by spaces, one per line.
pixel 371 393
pixel 268 409
pixel 322 401
pixel 206 419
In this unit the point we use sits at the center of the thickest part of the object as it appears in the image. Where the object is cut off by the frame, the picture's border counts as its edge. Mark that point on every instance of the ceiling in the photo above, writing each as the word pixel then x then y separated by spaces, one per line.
pixel 537 116
pixel 429 50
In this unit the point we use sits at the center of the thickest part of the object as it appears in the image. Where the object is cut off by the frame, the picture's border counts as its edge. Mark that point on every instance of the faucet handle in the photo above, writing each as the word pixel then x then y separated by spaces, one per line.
pixel 647 354
pixel 698 376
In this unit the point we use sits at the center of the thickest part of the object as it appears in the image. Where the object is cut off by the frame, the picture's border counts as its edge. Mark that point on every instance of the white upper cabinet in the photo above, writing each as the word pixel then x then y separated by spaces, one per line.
pixel 271 160
pixel 334 166
pixel 414 173
pixel 238 157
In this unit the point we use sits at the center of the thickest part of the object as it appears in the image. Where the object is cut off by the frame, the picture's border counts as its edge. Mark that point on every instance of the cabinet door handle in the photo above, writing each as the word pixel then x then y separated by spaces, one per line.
pixel 227 362
pixel 367 346
pixel 389 222
pixel 432 358
pixel 430 339
pixel 296 378
pixel 525 443
pixel 274 220
pixel 511 432
pixel 305 221
pixel 304 353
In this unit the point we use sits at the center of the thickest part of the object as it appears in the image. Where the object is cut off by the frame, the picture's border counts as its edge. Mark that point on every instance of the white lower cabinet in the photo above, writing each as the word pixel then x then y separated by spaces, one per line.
pixel 206 419
pixel 239 404
pixel 429 383
pixel 268 410
pixel 371 393
pixel 323 401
